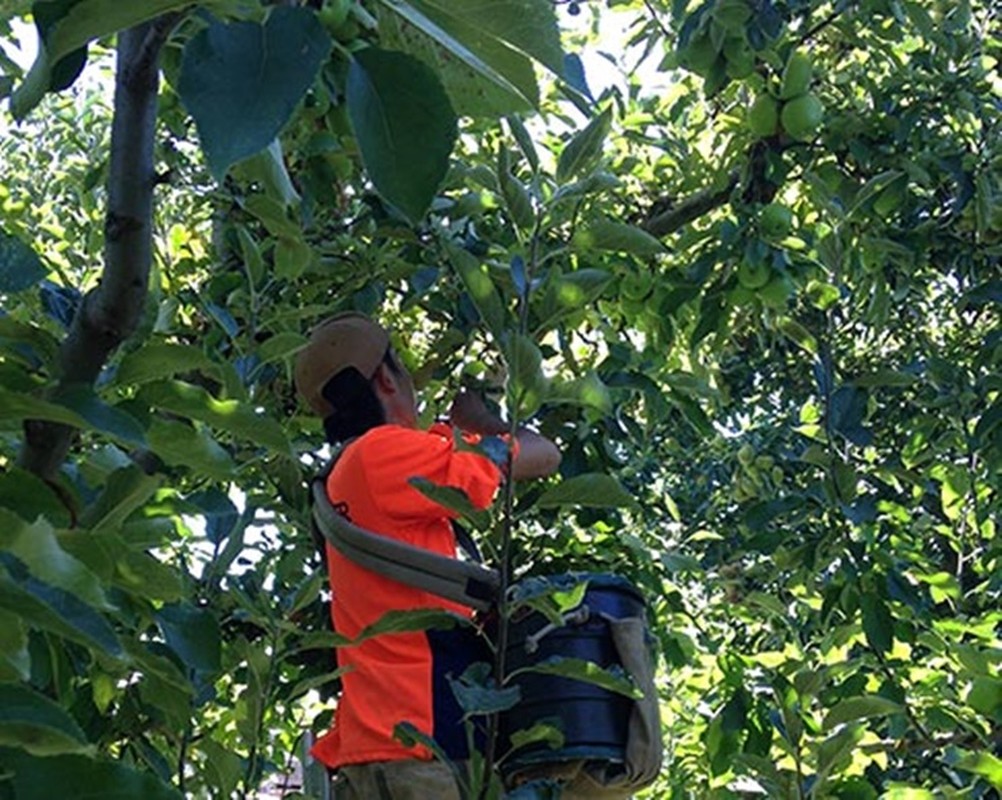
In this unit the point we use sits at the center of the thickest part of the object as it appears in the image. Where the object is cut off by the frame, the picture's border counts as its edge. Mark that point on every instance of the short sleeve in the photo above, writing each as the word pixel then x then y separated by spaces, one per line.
pixel 392 459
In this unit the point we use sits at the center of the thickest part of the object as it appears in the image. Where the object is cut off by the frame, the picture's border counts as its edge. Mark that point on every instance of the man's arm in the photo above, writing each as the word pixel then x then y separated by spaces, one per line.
pixel 535 457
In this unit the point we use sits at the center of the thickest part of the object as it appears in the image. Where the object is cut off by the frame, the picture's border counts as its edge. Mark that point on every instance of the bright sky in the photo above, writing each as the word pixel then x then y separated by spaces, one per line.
pixel 23 47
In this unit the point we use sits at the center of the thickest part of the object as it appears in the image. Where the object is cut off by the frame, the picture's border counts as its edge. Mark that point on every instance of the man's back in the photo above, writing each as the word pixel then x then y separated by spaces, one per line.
pixel 398 677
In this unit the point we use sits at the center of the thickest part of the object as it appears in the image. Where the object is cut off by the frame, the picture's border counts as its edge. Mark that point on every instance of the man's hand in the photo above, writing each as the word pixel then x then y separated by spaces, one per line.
pixel 470 414
pixel 535 457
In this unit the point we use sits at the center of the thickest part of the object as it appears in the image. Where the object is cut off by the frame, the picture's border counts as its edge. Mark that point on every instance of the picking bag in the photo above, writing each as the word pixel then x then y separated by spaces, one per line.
pixel 612 743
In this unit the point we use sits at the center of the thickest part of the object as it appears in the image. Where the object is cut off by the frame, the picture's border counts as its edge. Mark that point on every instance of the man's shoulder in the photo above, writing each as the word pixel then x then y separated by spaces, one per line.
pixel 386 439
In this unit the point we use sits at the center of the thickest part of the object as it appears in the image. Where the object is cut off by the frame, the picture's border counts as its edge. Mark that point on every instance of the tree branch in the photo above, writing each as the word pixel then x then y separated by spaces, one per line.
pixel 691 208
pixel 110 313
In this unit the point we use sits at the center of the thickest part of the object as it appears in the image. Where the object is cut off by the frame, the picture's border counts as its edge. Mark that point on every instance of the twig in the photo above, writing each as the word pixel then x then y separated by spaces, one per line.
pixel 692 208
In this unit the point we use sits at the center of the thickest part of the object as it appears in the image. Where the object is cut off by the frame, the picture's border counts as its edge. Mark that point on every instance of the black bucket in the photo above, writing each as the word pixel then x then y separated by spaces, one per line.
pixel 594 721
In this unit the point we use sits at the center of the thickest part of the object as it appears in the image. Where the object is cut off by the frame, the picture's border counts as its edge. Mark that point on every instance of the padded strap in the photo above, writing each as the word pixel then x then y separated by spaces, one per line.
pixel 460 581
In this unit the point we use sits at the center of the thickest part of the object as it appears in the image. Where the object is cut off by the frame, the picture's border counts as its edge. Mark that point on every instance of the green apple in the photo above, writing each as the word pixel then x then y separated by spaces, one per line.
pixel 776 292
pixel 732 15
pixel 753 274
pixel 636 285
pixel 796 76
pixel 802 116
pixel 775 220
pixel 763 116
pixel 334 14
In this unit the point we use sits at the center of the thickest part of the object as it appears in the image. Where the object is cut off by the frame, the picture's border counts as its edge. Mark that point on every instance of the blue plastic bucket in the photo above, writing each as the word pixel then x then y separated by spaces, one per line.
pixel 593 720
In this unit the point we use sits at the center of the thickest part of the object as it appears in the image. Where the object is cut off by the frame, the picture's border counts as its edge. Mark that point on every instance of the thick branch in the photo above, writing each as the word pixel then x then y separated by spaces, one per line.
pixel 110 313
pixel 691 208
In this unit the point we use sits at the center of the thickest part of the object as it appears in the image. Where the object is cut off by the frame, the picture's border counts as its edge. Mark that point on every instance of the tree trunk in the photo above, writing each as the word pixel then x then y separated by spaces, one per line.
pixel 111 312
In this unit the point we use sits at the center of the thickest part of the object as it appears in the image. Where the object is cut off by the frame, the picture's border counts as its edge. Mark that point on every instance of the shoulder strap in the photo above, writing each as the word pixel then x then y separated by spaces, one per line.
pixel 460 581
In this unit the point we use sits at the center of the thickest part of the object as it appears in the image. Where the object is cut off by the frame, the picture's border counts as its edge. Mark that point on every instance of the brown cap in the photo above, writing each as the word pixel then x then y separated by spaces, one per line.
pixel 345 340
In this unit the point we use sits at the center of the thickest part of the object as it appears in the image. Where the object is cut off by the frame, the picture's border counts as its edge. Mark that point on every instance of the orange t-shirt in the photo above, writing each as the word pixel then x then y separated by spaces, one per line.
pixel 394 678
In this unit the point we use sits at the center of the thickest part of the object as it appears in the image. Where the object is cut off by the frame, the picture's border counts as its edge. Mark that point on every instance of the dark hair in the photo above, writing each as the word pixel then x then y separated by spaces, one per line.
pixel 356 406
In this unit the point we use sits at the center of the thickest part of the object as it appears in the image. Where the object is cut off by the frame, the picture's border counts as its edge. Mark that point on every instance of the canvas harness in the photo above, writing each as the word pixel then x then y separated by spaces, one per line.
pixel 466 582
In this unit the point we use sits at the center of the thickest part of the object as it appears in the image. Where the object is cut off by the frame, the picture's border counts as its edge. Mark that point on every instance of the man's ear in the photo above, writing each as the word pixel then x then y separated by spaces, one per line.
pixel 384 381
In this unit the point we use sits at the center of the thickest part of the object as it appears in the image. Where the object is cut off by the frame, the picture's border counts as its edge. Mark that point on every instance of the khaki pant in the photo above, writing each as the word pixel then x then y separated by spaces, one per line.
pixel 408 779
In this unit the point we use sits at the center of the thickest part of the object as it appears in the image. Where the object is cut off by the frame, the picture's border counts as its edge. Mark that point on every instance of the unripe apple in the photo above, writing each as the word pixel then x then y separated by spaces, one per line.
pixel 801 117
pixel 796 76
pixel 763 116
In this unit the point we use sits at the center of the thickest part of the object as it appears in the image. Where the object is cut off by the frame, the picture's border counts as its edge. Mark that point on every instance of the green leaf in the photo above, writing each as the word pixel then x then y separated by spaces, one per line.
pixel 102 417
pixel 84 21
pixel 40 342
pixel 585 671
pixel 954 491
pixel 52 609
pixel 798 334
pixel 454 500
pixel 480 287
pixel 587 391
pixel 315 682
pixel 83 778
pixel 595 183
pixel 885 377
pixel 984 764
pixel 30 497
pixel 292 257
pixel 236 418
pixel 158 360
pixel 878 624
pixel 567 293
pixel 33 722
pixel 192 633
pixel 516 200
pixel 592 490
pixel 223 767
pixel 242 81
pixel 410 736
pixel 529 26
pixel 582 152
pixel 421 619
pixel 405 127
pixel 873 187
pixel 483 78
pixel 538 733
pixel 321 640
pixel 900 792
pixel 477 694
pixel 857 708
pixel 267 169
pixel 991 418
pixel 37 548
pixel 525 363
pixel 144 576
pixel 280 346
pixel 68 68
pixel 182 444
pixel 985 696
pixel 480 48
pixel 15 660
pixel 20 266
pixel 273 215
pixel 125 490
pixel 617 237
pixel 524 139
pixel 15 407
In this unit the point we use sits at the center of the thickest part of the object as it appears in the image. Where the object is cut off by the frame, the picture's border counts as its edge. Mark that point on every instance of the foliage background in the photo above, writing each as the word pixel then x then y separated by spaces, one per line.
pixel 804 409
